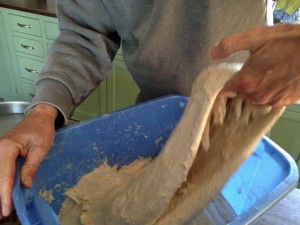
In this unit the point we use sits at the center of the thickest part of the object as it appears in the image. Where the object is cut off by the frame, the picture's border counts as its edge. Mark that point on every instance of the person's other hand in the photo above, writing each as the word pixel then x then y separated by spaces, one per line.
pixel 31 139
pixel 271 75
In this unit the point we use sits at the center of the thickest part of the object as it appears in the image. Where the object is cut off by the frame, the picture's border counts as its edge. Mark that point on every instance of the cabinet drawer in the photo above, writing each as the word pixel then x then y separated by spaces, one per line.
pixel 28 91
pixel 28 68
pixel 52 30
pixel 28 46
pixel 25 25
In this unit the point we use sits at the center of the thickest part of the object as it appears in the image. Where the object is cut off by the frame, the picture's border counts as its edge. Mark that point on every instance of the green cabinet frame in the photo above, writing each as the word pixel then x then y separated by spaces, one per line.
pixel 7 83
pixel 122 90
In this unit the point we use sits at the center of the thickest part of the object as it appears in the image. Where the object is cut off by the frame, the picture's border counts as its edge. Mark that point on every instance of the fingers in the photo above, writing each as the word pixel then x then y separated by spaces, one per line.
pixel 250 87
pixel 261 90
pixel 245 80
pixel 6 199
pixel 8 155
pixel 271 73
pixel 252 39
pixel 7 161
pixel 247 40
pixel 30 165
pixel 31 139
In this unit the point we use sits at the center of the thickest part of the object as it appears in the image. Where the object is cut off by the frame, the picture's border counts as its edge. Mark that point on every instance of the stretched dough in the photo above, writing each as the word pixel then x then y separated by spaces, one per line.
pixel 214 136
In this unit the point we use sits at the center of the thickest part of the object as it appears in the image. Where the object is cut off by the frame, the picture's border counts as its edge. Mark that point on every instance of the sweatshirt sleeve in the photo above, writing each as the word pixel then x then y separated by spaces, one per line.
pixel 79 58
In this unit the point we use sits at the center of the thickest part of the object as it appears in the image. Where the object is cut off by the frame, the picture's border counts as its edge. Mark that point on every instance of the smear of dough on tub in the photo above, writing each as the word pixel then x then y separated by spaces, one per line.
pixel 47 195
pixel 215 134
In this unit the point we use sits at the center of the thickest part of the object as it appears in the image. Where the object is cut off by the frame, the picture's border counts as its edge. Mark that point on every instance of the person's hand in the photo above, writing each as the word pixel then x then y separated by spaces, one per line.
pixel 31 139
pixel 271 75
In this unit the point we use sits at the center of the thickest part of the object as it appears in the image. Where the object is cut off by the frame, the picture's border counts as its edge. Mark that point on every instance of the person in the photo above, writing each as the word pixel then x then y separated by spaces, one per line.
pixel 165 44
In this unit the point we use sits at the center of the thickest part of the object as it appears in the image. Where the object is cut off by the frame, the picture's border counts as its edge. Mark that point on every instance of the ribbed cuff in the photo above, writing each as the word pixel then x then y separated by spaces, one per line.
pixel 54 93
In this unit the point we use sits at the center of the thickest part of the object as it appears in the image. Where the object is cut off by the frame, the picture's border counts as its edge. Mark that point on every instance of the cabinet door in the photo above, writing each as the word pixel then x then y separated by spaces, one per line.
pixel 286 132
pixel 94 105
pixel 52 30
pixel 7 83
pixel 121 88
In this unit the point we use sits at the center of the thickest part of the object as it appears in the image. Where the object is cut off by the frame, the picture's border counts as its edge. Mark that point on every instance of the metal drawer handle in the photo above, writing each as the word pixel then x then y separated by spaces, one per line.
pixel 27 47
pixel 24 25
pixel 31 70
pixel 31 95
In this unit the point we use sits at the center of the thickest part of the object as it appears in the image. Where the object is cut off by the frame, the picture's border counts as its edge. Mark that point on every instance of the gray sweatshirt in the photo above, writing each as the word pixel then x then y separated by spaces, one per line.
pixel 165 44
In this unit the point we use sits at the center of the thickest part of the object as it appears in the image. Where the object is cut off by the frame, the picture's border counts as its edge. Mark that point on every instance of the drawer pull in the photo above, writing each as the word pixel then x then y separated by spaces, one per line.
pixel 27 47
pixel 31 95
pixel 24 25
pixel 31 70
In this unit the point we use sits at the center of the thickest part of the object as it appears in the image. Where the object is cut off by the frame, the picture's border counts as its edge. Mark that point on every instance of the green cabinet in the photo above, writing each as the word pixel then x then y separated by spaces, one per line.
pixel 94 105
pixel 28 37
pixel 7 82
pixel 286 132
pixel 117 91
pixel 121 88
pixel 28 44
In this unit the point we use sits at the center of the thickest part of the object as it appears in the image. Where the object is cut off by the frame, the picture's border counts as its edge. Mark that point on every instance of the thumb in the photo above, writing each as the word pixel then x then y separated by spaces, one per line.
pixel 30 166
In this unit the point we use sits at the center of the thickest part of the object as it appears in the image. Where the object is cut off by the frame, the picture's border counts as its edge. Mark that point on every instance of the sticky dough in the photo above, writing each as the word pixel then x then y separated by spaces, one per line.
pixel 213 137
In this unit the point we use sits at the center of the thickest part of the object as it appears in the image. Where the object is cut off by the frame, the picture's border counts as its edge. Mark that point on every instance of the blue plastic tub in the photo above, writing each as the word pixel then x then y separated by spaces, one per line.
pixel 140 131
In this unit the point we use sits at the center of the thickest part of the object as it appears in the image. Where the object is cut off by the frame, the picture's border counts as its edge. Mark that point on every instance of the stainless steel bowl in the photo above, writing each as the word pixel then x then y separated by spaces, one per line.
pixel 10 114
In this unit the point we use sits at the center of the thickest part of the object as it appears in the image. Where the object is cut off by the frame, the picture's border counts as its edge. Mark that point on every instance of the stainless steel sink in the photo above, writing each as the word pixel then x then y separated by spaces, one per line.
pixel 10 114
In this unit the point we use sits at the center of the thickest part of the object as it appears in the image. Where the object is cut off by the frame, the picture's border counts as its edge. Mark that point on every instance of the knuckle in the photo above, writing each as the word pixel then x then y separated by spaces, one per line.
pixel 287 27
pixel 226 44
pixel 276 104
pixel 30 168
pixel 279 102
pixel 5 141
pixel 259 98
pixel 9 142
pixel 261 30
pixel 246 85
pixel 38 153
pixel 3 180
